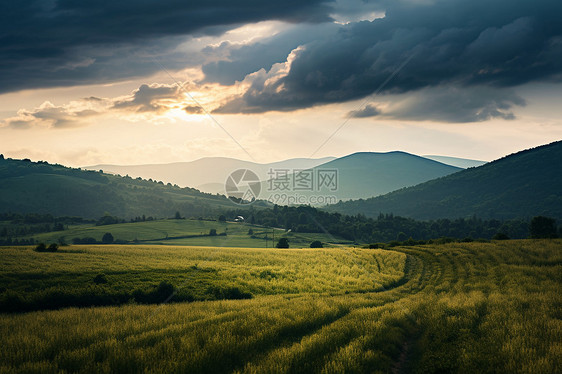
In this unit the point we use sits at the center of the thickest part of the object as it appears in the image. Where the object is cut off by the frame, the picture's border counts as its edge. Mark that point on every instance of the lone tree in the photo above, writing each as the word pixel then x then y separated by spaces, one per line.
pixel 316 244
pixel 178 215
pixel 222 218
pixel 213 232
pixel 543 228
pixel 500 236
pixel 283 243
pixel 107 238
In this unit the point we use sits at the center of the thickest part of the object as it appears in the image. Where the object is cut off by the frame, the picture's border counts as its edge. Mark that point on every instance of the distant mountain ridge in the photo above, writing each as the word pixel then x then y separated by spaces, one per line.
pixel 360 175
pixel 367 174
pixel 521 185
pixel 207 174
pixel 456 161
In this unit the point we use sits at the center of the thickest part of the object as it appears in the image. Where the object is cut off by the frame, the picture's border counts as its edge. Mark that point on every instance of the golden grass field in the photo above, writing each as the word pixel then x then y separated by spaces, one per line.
pixel 460 307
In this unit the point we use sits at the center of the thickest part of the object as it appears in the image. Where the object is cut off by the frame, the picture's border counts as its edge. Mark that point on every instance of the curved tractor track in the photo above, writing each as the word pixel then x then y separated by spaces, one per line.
pixel 466 307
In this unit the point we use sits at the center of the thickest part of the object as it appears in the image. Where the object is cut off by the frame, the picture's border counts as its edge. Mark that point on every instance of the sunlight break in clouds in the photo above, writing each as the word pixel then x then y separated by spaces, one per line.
pixel 280 77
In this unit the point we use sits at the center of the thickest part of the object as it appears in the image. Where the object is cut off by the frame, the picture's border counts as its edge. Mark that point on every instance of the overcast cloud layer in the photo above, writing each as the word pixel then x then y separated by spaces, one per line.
pixel 47 43
pixel 460 43
pixel 464 56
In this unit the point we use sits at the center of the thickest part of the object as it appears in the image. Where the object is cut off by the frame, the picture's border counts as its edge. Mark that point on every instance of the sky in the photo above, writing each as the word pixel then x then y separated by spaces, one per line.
pixel 129 82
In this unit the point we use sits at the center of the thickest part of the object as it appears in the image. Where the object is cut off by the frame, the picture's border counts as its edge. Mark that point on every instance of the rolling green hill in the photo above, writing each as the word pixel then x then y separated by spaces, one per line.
pixel 363 175
pixel 371 174
pixel 521 185
pixel 189 232
pixel 40 187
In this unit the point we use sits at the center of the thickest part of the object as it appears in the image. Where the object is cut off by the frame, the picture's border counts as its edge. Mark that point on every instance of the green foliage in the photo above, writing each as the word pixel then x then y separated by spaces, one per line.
pixel 41 247
pixel 107 238
pixel 100 279
pixel 230 293
pixel 222 218
pixel 14 225
pixel 518 185
pixel 75 192
pixel 500 236
pixel 213 232
pixel 542 228
pixel 164 292
pixel 282 243
pixel 108 220
pixel 316 244
pixel 384 228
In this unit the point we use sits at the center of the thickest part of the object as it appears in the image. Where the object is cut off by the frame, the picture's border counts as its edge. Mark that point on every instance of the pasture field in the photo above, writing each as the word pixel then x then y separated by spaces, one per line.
pixel 460 307
pixel 189 232
pixel 37 280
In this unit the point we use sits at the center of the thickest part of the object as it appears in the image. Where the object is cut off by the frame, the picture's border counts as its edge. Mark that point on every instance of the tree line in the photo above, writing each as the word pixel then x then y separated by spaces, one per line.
pixel 388 227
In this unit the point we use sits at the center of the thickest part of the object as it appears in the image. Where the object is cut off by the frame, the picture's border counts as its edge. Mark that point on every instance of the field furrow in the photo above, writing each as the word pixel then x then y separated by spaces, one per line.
pixel 464 307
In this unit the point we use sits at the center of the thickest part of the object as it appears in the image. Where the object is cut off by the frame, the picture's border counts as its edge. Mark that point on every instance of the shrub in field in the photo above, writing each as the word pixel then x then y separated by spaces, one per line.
pixel 230 293
pixel 41 247
pixel 213 232
pixel 162 292
pixel 283 243
pixel 100 279
pixel 500 236
pixel 316 244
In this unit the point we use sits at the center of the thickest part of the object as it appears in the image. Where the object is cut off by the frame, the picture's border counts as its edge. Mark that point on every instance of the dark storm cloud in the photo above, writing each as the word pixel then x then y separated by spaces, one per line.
pixel 241 60
pixel 147 98
pixel 59 43
pixel 448 104
pixel 368 111
pixel 452 43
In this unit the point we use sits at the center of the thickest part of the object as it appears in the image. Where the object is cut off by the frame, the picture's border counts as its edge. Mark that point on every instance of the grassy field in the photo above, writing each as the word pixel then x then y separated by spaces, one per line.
pixel 463 307
pixel 32 280
pixel 189 232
